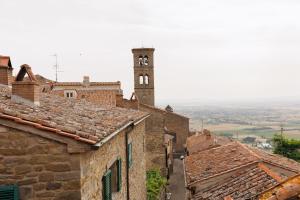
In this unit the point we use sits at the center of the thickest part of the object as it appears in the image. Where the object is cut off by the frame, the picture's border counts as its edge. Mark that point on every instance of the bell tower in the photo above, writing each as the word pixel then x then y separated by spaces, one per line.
pixel 144 75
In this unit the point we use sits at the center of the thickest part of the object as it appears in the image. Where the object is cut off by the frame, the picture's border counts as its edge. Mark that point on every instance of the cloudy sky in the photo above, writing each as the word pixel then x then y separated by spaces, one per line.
pixel 205 49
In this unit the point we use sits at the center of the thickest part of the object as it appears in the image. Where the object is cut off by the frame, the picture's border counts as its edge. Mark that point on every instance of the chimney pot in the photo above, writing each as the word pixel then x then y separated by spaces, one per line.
pixel 26 91
pixel 86 80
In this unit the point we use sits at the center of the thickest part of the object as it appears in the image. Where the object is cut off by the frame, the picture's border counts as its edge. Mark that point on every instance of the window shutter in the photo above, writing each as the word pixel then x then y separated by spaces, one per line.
pixel 119 164
pixel 129 154
pixel 107 186
pixel 9 192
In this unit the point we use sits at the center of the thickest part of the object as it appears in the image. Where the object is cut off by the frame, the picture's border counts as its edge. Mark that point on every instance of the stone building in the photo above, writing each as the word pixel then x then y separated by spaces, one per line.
pixel 57 148
pixel 161 121
pixel 101 93
pixel 234 171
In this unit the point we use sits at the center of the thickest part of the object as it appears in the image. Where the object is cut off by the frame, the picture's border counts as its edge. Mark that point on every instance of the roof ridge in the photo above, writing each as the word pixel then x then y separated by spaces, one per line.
pixel 250 151
pixel 270 172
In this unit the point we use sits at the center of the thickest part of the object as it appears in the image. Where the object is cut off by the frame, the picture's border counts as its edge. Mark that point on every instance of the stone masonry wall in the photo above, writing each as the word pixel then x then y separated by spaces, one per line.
pixel 137 171
pixel 100 97
pixel 95 164
pixel 155 149
pixel 42 168
pixel 179 125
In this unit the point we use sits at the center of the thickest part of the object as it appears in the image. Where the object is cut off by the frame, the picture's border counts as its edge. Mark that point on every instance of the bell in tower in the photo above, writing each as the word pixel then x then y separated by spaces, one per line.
pixel 144 75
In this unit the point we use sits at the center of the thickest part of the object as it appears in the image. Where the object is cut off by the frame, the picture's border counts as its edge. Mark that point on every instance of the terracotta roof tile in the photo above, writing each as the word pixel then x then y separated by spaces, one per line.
pixel 288 189
pixel 215 161
pixel 90 84
pixel 244 184
pixel 79 119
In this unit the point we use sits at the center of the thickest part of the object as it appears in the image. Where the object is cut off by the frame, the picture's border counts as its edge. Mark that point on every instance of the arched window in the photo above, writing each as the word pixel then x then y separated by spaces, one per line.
pixel 146 62
pixel 146 80
pixel 141 79
pixel 141 60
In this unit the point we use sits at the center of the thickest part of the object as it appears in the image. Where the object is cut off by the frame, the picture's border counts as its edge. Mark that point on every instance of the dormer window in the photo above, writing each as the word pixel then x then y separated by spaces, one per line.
pixel 70 94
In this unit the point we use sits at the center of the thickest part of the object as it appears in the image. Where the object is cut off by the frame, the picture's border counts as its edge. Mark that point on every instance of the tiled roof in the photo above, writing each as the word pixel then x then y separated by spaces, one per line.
pixel 90 84
pixel 244 184
pixel 77 119
pixel 219 160
pixel 277 160
pixel 204 141
pixel 288 189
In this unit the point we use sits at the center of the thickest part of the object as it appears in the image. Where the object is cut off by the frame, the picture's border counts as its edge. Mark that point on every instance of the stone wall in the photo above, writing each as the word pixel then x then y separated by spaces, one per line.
pixel 42 168
pixel 155 148
pixel 137 171
pixel 100 97
pixel 180 126
pixel 95 163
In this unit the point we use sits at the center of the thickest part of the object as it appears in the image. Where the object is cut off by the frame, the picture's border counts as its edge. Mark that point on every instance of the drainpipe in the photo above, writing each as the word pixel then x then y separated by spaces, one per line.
pixel 127 131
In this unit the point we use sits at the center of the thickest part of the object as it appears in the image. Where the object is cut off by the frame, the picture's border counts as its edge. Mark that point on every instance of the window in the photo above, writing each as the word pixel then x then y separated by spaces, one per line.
pixel 141 60
pixel 129 154
pixel 9 192
pixel 141 80
pixel 146 79
pixel 70 94
pixel 145 60
pixel 112 180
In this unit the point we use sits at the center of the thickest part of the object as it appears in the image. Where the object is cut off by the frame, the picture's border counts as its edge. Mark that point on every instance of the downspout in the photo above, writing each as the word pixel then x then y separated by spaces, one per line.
pixel 127 131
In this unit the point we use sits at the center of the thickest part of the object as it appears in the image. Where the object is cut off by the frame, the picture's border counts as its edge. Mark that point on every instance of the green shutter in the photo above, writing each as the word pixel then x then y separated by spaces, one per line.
pixel 129 154
pixel 106 180
pixel 9 192
pixel 119 165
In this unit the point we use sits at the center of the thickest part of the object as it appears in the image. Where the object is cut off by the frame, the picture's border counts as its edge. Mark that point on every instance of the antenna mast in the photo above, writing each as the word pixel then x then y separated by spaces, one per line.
pixel 56 67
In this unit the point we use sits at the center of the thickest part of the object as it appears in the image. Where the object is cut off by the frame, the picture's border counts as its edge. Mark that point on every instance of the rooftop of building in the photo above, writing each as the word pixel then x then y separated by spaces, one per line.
pixel 229 157
pixel 243 184
pixel 287 189
pixel 77 119
pixel 203 141
pixel 117 83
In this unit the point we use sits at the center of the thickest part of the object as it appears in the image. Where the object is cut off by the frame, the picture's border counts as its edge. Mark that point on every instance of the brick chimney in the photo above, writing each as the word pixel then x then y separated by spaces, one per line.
pixel 6 69
pixel 86 81
pixel 26 90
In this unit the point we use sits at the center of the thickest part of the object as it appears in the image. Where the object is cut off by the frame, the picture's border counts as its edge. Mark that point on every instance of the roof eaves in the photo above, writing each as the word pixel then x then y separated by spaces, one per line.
pixel 46 128
pixel 116 132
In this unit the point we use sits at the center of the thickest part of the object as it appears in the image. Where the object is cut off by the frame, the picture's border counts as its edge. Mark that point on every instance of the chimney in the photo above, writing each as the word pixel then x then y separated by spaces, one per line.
pixel 26 90
pixel 5 71
pixel 86 81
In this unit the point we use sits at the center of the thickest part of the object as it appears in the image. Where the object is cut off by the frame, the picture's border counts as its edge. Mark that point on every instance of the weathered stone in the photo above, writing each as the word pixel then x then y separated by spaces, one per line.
pixel 28 181
pixel 22 169
pixel 71 185
pixel 38 168
pixel 66 176
pixel 39 159
pixel 25 192
pixel 46 177
pixel 3 129
pixel 12 152
pixel 14 160
pixel 39 186
pixel 58 167
pixel 67 195
pixel 53 186
pixel 45 194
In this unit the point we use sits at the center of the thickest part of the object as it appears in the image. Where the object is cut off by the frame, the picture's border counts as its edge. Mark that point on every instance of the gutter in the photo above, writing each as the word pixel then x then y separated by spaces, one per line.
pixel 102 142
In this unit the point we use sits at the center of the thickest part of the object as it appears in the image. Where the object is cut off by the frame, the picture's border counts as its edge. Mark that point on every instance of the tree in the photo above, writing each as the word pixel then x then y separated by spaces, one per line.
pixel 286 147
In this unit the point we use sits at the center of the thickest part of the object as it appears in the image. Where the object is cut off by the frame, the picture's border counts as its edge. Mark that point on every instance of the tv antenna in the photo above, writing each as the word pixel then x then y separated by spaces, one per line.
pixel 56 67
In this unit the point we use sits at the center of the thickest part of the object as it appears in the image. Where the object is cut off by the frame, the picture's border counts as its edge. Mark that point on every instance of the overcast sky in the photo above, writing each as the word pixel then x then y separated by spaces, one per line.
pixel 205 49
